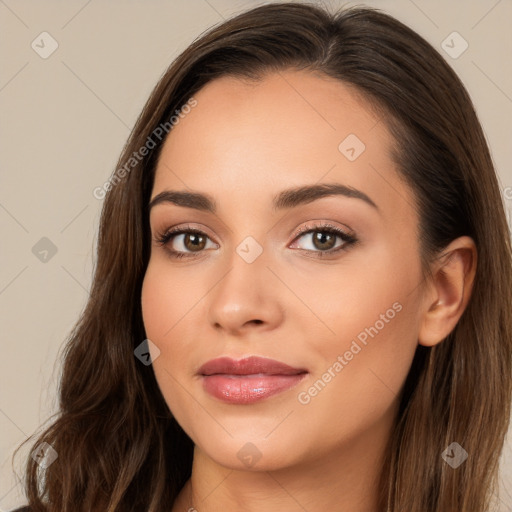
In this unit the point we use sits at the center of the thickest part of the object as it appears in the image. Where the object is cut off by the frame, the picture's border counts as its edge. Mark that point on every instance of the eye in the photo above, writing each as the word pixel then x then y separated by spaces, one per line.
pixel 322 240
pixel 325 239
pixel 184 241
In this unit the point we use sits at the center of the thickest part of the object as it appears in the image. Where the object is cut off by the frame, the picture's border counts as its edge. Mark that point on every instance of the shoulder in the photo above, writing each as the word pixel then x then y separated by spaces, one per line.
pixel 22 509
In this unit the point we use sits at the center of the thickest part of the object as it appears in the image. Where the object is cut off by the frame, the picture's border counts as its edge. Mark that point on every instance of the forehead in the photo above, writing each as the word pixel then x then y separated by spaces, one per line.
pixel 289 129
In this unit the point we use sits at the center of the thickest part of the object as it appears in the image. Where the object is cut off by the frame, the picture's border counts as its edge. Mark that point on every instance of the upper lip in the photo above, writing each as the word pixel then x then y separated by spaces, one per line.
pixel 248 366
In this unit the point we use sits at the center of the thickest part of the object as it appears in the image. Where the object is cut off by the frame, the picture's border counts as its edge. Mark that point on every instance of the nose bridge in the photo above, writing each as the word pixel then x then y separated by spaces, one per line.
pixel 247 276
pixel 246 292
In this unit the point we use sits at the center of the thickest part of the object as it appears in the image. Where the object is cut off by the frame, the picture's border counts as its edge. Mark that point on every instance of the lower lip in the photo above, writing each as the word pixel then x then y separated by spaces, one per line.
pixel 248 389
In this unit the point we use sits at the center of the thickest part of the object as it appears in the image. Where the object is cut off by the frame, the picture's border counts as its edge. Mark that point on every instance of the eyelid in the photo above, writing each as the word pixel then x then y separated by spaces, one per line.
pixel 161 237
pixel 348 237
pixel 321 225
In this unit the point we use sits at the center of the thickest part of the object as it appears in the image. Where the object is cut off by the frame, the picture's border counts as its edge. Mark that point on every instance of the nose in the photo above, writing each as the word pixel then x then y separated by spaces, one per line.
pixel 247 298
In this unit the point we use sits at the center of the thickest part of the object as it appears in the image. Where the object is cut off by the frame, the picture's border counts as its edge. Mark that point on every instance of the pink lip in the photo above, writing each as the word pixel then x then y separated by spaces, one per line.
pixel 248 380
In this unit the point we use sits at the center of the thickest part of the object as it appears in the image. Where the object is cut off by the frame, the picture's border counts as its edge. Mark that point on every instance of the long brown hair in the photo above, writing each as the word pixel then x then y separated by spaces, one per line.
pixel 119 447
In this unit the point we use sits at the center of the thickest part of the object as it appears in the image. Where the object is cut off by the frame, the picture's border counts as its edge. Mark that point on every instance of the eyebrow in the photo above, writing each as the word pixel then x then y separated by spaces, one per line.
pixel 290 198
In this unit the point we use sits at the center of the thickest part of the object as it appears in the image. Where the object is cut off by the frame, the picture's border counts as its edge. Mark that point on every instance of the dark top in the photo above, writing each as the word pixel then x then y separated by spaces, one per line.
pixel 22 509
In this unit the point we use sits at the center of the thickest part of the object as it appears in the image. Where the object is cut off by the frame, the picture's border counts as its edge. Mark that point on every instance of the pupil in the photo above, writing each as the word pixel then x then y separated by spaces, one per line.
pixel 196 241
pixel 323 238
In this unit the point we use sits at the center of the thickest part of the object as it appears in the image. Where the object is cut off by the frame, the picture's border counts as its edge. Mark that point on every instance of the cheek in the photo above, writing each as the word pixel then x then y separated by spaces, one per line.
pixel 164 306
pixel 372 313
pixel 163 302
pixel 167 298
pixel 368 297
pixel 157 298
pixel 357 384
pixel 360 373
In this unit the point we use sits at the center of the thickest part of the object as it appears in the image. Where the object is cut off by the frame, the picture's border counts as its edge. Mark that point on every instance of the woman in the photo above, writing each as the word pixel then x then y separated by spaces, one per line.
pixel 303 286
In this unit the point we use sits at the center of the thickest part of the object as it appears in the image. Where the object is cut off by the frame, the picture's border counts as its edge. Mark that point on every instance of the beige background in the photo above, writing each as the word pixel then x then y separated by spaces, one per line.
pixel 64 120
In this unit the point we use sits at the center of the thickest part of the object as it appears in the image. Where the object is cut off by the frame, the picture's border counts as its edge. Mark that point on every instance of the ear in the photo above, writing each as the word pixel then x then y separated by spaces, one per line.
pixel 448 292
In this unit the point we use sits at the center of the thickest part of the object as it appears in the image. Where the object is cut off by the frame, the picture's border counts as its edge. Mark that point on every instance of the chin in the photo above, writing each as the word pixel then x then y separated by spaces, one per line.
pixel 251 453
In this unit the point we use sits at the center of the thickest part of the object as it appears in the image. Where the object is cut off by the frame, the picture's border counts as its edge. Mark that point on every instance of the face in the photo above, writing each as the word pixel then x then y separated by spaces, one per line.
pixel 327 284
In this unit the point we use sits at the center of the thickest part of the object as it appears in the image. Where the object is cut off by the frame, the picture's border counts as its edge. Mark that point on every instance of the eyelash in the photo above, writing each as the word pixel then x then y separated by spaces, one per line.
pixel 350 240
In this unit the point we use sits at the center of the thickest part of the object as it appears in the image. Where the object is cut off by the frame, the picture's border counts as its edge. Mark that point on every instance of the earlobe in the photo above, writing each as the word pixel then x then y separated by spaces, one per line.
pixel 449 291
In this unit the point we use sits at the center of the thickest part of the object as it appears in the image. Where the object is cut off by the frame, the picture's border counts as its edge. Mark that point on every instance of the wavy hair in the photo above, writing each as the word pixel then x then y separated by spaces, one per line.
pixel 119 447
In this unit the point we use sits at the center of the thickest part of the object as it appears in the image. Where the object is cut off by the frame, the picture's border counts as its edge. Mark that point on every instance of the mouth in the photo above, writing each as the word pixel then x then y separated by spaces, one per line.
pixel 248 380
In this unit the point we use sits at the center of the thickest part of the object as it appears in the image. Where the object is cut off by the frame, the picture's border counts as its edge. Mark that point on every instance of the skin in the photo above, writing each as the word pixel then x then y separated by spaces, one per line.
pixel 242 144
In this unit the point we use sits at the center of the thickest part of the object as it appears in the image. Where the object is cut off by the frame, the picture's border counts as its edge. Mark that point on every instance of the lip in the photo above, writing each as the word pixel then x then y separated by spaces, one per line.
pixel 248 380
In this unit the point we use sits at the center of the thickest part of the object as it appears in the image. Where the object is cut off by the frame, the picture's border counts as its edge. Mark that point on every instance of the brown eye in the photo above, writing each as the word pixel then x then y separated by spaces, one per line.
pixel 323 240
pixel 185 242
pixel 194 242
